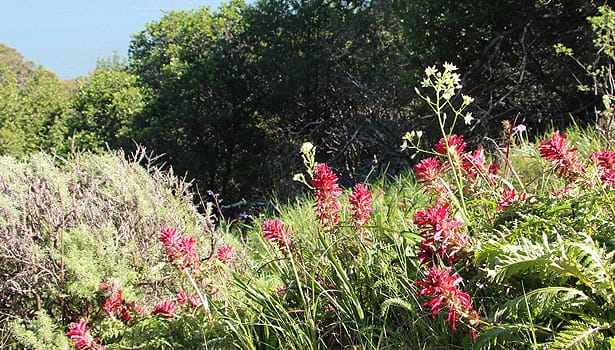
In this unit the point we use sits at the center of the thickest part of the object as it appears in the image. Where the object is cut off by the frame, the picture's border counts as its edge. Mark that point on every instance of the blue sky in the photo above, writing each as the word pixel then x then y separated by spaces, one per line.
pixel 68 36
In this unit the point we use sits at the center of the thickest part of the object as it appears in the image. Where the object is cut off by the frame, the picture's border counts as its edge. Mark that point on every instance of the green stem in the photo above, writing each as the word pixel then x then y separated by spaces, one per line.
pixel 202 296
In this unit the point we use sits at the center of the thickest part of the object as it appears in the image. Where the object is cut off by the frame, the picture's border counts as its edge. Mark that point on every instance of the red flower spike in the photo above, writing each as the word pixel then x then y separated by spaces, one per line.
pixel 181 298
pixel 166 309
pixel 605 159
pixel 79 334
pixel 511 196
pixel 274 231
pixel 181 251
pixel 428 171
pixel 439 230
pixel 361 201
pixel 562 156
pixel 455 146
pixel 327 191
pixel 226 255
pixel 194 300
pixel 112 304
pixel 474 164
pixel 443 287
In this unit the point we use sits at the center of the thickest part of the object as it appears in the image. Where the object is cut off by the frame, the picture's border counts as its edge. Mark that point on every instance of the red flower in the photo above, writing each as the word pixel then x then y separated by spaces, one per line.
pixel 181 251
pixel 226 255
pixel 440 231
pixel 181 298
pixel 275 232
pixel 361 200
pixel 453 145
pixel 194 300
pixel 327 191
pixel 112 304
pixel 511 196
pixel 79 334
pixel 608 178
pixel 474 164
pixel 604 159
pixel 443 286
pixel 166 309
pixel 428 171
pixel 561 155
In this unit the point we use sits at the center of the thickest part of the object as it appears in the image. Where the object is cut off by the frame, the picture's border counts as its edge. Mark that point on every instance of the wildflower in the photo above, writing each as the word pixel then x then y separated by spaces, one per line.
pixel 452 146
pixel 112 304
pixel 166 309
pixel 561 155
pixel 194 300
pixel 519 128
pixel 511 196
pixel 79 334
pixel 181 298
pixel 275 232
pixel 474 163
pixel 608 178
pixel 327 191
pixel 443 286
pixel 468 118
pixel 440 229
pixel 361 200
pixel 181 251
pixel 605 159
pixel 428 171
pixel 226 255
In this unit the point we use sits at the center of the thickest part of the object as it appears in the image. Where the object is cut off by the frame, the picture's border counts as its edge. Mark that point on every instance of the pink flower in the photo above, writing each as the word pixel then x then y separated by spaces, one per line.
pixel 327 191
pixel 112 304
pixel 274 231
pixel 561 155
pixel 361 200
pixel 452 145
pixel 474 164
pixel 604 159
pixel 608 178
pixel 443 286
pixel 440 231
pixel 194 300
pixel 226 255
pixel 181 251
pixel 511 196
pixel 181 298
pixel 166 309
pixel 79 334
pixel 428 171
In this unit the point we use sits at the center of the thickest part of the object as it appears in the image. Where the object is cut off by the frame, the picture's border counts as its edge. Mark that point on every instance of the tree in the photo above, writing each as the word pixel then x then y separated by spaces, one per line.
pixel 104 107
pixel 505 50
pixel 235 92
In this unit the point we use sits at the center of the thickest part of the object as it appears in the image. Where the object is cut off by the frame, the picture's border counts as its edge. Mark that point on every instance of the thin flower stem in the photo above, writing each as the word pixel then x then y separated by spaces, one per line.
pixel 198 291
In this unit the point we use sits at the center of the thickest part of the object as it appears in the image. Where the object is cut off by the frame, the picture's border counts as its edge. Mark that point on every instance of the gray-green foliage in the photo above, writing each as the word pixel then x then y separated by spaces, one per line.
pixel 68 225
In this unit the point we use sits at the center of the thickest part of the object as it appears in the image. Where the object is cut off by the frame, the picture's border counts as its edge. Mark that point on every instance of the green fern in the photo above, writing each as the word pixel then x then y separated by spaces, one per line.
pixel 578 335
pixel 543 303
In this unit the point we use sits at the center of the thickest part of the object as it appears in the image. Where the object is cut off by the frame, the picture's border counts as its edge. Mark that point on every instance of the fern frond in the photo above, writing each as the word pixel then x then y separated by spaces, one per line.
pixel 578 336
pixel 590 264
pixel 501 336
pixel 542 303
pixel 526 255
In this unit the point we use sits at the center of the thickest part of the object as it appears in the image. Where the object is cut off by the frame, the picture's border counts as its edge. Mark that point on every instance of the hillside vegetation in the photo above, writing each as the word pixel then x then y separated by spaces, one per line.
pixel 500 235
